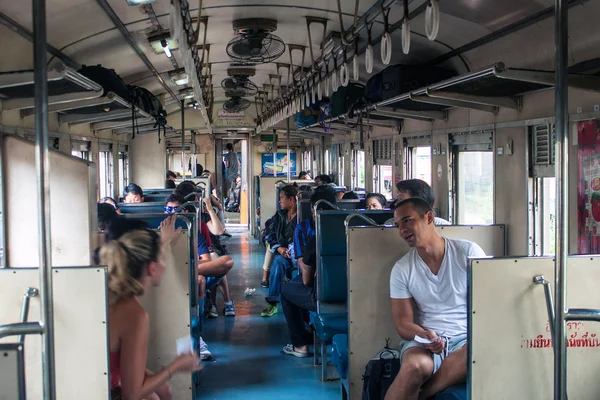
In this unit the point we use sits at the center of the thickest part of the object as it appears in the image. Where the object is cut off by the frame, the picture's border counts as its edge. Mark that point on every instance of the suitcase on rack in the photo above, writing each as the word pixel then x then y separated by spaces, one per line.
pixel 400 79
pixel 343 98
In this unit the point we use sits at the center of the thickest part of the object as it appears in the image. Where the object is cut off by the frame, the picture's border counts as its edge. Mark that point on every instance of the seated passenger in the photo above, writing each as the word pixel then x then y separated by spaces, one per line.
pixel 375 201
pixel 418 188
pixel 432 278
pixel 281 243
pixel 135 263
pixel 133 194
pixel 323 179
pixel 304 175
pixel 340 193
pixel 170 180
pixel 112 202
pixel 350 196
pixel 184 189
pixel 299 296
pixel 211 270
pixel 106 214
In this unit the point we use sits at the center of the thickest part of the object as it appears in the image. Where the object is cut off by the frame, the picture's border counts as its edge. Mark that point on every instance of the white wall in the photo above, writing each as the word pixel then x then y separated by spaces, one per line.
pixel 147 161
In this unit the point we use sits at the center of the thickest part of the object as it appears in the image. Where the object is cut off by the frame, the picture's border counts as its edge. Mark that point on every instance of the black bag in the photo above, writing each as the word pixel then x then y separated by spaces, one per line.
pixel 380 372
pixel 108 79
pixel 146 101
pixel 400 79
pixel 344 98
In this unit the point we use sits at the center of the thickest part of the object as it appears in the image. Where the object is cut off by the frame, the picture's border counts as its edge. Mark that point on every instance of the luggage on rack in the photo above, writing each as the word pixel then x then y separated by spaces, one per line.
pixel 400 79
pixel 311 114
pixel 344 97
pixel 108 79
pixel 145 100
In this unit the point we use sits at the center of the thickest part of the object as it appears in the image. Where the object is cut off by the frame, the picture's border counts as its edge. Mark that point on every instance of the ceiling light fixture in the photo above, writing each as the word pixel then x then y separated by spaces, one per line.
pixel 165 47
pixel 179 77
pixel 139 2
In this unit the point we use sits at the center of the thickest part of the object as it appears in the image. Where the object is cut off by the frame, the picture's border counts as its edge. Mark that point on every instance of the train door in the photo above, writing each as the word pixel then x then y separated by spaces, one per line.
pixel 232 160
pixel 382 167
pixel 542 191
pixel 473 177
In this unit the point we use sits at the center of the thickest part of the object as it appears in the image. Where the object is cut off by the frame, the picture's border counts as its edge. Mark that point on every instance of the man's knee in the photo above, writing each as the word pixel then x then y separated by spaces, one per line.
pixel 227 262
pixel 416 367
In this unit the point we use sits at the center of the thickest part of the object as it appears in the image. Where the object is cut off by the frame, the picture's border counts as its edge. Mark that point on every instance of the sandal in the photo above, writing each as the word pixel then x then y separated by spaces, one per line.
pixel 291 351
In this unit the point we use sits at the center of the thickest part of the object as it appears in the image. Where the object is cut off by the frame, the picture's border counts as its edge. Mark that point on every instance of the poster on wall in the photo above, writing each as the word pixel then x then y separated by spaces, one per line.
pixel 588 187
pixel 282 163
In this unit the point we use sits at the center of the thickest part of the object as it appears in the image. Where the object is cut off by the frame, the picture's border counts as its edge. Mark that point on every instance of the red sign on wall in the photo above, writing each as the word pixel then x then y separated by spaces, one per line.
pixel 588 187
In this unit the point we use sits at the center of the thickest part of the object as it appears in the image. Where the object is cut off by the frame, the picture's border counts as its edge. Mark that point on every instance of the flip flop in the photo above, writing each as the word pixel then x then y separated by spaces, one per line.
pixel 291 351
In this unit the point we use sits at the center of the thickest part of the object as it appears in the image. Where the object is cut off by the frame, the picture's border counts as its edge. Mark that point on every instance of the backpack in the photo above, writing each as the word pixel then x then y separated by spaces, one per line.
pixel 145 100
pixel 380 372
pixel 108 79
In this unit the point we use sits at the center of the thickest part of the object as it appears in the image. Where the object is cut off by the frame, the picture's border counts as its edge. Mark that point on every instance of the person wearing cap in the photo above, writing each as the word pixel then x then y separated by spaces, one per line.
pixel 432 278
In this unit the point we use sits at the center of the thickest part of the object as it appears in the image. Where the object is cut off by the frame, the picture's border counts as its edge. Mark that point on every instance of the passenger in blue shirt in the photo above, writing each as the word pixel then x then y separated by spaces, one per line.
pixel 299 295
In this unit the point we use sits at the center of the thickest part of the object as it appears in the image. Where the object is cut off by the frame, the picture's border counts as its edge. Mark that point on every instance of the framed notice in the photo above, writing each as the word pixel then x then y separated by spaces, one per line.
pixel 281 166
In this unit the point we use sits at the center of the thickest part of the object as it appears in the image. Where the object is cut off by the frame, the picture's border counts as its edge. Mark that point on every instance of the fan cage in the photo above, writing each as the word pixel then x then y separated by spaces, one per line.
pixel 272 47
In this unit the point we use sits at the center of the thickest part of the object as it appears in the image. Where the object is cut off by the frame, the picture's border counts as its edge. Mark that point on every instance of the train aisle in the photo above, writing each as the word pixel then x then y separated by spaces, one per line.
pixel 249 363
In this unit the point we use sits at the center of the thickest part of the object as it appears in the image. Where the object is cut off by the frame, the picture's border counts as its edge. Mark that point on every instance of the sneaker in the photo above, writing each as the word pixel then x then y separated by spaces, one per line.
pixel 205 354
pixel 229 309
pixel 226 234
pixel 269 311
pixel 264 284
pixel 212 312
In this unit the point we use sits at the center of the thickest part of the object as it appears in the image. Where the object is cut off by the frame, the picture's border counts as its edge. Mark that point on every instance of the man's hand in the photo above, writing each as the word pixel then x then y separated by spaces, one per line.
pixel 438 343
pixel 283 251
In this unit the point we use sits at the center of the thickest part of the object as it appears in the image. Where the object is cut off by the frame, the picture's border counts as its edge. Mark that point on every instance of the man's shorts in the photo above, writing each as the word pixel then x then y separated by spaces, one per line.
pixel 452 344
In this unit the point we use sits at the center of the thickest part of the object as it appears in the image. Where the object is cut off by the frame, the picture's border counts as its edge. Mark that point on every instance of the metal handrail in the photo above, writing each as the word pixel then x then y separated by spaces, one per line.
pixel 361 216
pixel 22 328
pixel 582 314
pixel 29 293
pixel 540 280
pixel 323 201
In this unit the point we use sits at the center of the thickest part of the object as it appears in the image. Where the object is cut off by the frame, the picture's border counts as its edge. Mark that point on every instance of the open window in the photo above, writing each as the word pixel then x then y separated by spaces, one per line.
pixel 105 170
pixel 382 168
pixel 542 191
pixel 358 173
pixel 473 173
pixel 417 153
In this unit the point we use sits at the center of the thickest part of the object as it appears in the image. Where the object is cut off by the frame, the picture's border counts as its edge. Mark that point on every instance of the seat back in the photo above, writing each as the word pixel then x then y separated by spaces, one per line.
pixel 331 250
pixel 80 316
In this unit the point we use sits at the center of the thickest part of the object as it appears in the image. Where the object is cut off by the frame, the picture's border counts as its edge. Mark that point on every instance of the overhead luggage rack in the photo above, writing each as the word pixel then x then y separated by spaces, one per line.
pixel 65 85
pixel 486 90
pixel 108 108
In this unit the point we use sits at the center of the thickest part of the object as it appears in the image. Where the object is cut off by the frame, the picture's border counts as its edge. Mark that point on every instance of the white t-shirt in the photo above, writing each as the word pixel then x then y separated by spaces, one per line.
pixel 441 300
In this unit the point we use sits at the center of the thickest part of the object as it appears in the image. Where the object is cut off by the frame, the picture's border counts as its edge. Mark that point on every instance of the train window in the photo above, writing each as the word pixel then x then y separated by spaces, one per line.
pixel 123 171
pixel 341 170
pixel 382 181
pixel 358 180
pixel 475 187
pixel 327 165
pixel 418 163
pixel 544 216
pixel 105 174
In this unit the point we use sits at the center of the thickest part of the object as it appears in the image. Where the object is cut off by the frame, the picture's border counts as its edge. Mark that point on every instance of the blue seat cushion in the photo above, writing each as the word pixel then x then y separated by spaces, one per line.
pixel 456 392
pixel 329 325
pixel 340 354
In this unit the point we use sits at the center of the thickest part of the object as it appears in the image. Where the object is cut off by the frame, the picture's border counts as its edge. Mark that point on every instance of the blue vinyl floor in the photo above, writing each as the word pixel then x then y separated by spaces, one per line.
pixel 249 363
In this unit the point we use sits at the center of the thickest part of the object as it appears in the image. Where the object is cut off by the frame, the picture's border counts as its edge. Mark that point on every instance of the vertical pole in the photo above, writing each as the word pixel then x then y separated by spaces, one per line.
pixel 42 161
pixel 562 198
pixel 289 161
pixel 274 152
pixel 183 139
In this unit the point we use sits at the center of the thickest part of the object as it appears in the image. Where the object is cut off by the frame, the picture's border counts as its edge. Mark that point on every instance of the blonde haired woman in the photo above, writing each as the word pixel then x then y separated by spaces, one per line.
pixel 135 263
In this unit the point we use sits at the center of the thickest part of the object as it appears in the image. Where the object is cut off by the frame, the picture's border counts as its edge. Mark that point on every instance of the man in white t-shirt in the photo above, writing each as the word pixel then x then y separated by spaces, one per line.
pixel 431 279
